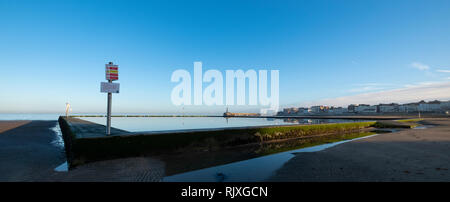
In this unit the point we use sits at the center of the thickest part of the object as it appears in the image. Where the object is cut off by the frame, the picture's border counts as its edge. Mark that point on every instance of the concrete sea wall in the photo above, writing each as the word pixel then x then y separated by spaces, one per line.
pixel 86 141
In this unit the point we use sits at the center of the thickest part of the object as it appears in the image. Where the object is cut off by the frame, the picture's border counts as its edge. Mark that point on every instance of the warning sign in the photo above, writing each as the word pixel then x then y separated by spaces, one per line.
pixel 112 72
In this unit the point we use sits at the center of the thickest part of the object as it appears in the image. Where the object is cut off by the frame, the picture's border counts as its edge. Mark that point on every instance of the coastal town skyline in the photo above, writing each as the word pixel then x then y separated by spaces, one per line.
pixel 432 107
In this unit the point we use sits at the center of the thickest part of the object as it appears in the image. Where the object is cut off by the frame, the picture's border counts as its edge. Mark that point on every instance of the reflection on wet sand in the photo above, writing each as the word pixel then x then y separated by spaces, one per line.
pixel 262 167
pixel 188 161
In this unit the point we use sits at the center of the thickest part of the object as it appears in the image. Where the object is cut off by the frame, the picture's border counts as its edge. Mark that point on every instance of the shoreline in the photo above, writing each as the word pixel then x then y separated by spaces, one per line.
pixel 346 116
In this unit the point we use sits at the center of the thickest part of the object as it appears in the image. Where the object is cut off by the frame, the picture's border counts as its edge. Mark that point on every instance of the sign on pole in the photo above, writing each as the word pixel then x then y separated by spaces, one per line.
pixel 106 87
pixel 112 74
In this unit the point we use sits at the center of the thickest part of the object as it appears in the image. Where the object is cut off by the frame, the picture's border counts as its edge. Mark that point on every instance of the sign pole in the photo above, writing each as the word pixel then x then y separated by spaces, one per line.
pixel 112 74
pixel 108 119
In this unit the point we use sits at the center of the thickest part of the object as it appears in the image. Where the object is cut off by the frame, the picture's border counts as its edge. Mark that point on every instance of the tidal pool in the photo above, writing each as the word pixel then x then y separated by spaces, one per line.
pixel 137 124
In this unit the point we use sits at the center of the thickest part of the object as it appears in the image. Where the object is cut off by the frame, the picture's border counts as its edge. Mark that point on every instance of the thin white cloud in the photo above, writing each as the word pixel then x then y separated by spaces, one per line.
pixel 412 93
pixel 364 89
pixel 420 66
pixel 443 70
pixel 373 84
pixel 368 87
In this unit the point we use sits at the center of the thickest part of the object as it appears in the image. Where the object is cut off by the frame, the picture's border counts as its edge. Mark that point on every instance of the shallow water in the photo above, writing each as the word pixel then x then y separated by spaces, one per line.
pixel 252 170
pixel 21 116
pixel 62 168
pixel 136 124
pixel 423 127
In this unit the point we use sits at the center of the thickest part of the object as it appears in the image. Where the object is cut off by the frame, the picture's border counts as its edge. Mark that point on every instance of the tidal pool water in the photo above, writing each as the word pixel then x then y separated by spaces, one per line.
pixel 136 124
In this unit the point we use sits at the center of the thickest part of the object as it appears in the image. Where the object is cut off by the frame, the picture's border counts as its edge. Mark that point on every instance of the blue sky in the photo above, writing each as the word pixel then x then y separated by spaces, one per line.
pixel 52 52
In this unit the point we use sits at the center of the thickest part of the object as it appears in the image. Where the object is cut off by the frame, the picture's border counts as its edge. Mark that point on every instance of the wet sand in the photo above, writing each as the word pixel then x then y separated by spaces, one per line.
pixel 135 169
pixel 8 125
pixel 27 153
pixel 408 155
pixel 26 150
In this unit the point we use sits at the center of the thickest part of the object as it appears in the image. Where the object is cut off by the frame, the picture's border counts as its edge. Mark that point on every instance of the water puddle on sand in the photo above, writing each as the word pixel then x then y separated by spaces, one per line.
pixel 252 170
pixel 423 127
pixel 242 165
pixel 62 168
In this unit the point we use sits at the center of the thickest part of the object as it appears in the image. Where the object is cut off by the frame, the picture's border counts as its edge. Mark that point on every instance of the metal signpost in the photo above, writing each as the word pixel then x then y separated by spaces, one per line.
pixel 112 74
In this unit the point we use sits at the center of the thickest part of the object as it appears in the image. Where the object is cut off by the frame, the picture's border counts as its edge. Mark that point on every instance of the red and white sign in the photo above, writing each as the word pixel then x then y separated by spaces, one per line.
pixel 112 72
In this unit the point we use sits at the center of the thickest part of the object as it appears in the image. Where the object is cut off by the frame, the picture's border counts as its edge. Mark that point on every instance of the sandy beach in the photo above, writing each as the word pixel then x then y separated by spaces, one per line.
pixel 28 154
pixel 26 150
pixel 409 155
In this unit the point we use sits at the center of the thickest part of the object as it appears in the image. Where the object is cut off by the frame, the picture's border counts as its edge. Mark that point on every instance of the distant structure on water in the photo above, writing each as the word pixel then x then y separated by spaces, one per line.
pixel 229 114
pixel 432 107
pixel 68 109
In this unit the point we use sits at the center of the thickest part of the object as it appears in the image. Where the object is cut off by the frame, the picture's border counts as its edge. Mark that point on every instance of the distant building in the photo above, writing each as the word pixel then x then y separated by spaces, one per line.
pixel 318 109
pixel 302 111
pixel 291 111
pixel 388 108
pixel 422 106
pixel 364 109
pixel 445 105
pixel 433 106
pixel 351 108
pixel 230 114
pixel 314 109
pixel 409 108
pixel 337 110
